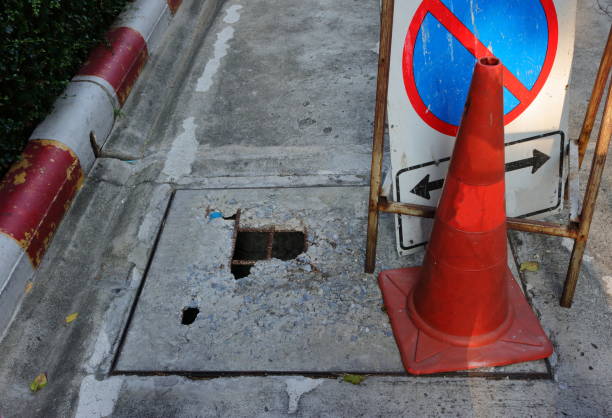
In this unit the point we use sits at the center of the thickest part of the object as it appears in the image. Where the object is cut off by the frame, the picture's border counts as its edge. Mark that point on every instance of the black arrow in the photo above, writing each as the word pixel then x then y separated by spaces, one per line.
pixel 537 161
pixel 424 187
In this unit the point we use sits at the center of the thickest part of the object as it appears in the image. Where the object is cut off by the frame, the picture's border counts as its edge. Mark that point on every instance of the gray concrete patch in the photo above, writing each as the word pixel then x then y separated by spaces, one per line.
pixel 582 353
pixel 319 313
pixel 375 397
pixel 93 269
pixel 260 95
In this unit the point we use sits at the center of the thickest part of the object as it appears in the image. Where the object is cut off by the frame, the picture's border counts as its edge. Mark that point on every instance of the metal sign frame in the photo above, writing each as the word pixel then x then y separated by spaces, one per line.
pixel 425 186
pixel 434 46
pixel 577 230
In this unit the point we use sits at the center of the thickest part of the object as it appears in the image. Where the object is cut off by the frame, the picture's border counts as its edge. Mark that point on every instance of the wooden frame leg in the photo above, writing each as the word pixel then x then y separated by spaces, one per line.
pixel 598 90
pixel 384 56
pixel 588 205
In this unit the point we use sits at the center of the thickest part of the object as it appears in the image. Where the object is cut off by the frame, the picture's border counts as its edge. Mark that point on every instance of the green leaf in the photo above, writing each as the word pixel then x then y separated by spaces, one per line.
pixel 39 382
pixel 72 317
pixel 355 379
pixel 530 266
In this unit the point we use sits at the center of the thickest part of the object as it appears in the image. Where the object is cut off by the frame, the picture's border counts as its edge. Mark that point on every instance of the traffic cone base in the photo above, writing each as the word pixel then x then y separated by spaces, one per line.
pixel 520 339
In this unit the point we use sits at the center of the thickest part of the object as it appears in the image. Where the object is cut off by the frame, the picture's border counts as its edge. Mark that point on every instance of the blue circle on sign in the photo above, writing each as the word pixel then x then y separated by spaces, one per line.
pixel 452 34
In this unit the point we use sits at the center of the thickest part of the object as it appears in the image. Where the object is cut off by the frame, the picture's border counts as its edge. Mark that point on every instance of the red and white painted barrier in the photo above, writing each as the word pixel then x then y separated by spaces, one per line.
pixel 39 188
pixel 82 108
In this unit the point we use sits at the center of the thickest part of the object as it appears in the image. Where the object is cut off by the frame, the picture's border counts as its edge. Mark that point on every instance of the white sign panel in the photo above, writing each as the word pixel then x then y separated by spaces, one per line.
pixel 435 45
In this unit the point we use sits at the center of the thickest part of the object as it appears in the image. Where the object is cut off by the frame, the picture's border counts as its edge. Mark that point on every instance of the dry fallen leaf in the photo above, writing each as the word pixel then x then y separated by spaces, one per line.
pixel 39 382
pixel 70 318
pixel 28 287
pixel 530 266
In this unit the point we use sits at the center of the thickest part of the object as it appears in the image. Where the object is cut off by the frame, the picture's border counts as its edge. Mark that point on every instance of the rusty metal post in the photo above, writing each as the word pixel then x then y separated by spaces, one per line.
pixel 596 95
pixel 590 197
pixel 384 56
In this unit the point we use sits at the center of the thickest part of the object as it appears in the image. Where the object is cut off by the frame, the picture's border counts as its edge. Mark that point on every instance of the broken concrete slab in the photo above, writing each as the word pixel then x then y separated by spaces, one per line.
pixel 317 313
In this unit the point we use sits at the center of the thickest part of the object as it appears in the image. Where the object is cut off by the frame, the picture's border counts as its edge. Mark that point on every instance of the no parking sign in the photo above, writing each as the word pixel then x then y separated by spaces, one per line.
pixel 434 47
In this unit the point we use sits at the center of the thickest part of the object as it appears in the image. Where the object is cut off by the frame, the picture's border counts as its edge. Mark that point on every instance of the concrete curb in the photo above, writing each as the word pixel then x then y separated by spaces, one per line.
pixel 39 188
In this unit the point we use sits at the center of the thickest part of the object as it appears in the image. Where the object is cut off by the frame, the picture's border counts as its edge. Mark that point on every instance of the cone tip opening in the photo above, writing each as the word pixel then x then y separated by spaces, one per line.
pixel 489 61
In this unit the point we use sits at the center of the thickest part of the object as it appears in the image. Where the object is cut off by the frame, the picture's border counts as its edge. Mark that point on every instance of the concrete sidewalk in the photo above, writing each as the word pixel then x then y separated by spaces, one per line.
pixel 257 119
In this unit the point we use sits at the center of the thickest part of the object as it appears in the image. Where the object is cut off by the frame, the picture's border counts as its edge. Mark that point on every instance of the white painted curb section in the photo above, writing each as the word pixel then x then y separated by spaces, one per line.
pixel 84 107
pixel 15 271
pixel 103 84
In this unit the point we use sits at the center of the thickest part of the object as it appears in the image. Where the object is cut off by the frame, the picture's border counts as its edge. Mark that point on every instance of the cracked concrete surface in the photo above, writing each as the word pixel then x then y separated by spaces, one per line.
pixel 284 104
pixel 317 313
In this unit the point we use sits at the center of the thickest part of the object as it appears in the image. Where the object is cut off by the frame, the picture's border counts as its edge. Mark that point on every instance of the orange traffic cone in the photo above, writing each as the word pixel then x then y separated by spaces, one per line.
pixel 463 308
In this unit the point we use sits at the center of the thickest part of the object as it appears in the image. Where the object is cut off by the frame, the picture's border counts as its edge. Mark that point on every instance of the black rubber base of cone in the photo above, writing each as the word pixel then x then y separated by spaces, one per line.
pixel 421 354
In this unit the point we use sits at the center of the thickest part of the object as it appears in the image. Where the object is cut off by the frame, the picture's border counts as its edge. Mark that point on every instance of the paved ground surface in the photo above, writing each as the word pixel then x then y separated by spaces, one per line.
pixel 275 97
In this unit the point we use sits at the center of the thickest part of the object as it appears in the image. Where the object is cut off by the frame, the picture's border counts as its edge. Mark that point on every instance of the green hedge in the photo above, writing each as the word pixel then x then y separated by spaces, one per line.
pixel 42 45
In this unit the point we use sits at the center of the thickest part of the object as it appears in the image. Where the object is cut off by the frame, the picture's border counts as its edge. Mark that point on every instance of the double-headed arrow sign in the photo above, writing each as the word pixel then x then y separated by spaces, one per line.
pixel 424 187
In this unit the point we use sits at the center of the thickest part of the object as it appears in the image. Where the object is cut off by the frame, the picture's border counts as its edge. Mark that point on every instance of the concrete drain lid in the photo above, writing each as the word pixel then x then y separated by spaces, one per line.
pixel 307 308
pixel 253 245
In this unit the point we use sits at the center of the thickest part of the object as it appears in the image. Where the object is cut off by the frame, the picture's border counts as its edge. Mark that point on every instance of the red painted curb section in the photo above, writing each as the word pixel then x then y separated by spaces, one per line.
pixel 35 194
pixel 174 5
pixel 39 188
pixel 120 63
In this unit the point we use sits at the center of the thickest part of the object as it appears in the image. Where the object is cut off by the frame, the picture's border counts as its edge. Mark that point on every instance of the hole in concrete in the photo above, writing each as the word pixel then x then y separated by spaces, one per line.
pixel 288 245
pixel 251 245
pixel 240 271
pixel 189 315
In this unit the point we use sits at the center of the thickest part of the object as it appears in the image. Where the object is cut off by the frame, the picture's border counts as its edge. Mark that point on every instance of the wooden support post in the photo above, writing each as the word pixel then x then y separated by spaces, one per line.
pixel 598 91
pixel 517 224
pixel 386 31
pixel 590 197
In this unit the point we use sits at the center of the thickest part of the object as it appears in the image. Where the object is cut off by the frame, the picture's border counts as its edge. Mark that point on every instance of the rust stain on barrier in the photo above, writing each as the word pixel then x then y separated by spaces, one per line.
pixel 35 194
pixel 174 5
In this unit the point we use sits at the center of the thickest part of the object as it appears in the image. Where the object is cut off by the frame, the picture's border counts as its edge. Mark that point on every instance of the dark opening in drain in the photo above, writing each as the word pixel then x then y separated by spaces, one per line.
pixel 251 245
pixel 288 245
pixel 189 315
pixel 254 245
pixel 240 270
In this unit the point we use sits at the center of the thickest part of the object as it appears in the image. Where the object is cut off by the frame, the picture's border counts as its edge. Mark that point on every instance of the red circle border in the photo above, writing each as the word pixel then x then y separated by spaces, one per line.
pixel 445 127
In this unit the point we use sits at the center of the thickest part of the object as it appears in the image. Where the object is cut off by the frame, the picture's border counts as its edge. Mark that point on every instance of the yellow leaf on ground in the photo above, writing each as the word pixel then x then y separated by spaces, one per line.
pixel 39 382
pixel 354 379
pixel 530 266
pixel 70 318
pixel 28 287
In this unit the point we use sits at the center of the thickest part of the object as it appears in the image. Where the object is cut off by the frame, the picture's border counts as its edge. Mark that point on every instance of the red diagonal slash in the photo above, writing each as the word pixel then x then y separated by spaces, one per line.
pixel 473 45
